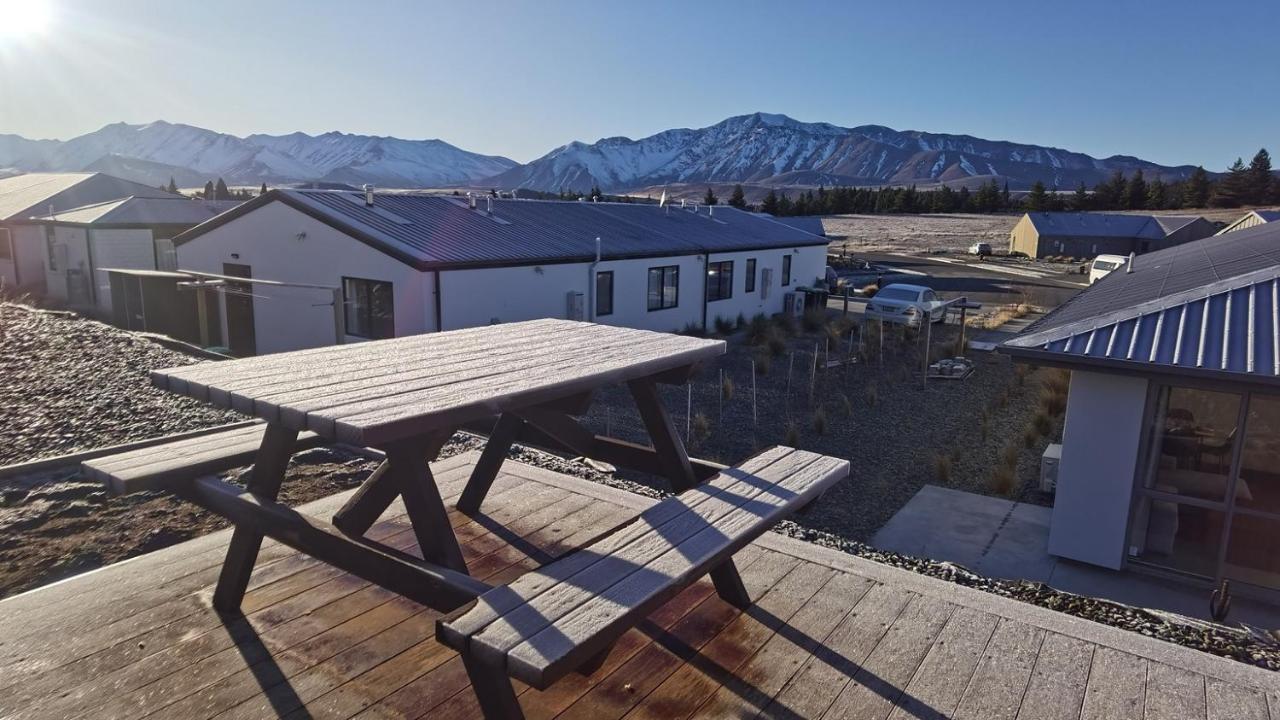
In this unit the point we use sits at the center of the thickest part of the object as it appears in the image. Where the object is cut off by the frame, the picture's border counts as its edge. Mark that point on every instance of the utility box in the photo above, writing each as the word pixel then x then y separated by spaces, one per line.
pixel 793 304
pixel 577 306
pixel 1049 467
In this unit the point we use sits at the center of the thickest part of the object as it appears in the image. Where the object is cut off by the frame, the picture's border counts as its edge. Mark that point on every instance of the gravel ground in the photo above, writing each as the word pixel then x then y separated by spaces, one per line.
pixel 917 233
pixel 73 384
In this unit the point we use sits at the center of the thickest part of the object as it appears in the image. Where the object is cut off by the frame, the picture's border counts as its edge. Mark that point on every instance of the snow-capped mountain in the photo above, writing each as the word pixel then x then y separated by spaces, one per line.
pixel 152 153
pixel 768 149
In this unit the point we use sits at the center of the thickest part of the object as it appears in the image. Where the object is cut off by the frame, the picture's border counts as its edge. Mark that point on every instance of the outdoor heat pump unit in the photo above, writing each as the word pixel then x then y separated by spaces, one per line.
pixel 577 306
pixel 793 304
pixel 1049 467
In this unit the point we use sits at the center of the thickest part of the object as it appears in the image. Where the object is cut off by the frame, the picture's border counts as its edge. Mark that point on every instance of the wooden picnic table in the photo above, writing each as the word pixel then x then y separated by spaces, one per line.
pixel 406 397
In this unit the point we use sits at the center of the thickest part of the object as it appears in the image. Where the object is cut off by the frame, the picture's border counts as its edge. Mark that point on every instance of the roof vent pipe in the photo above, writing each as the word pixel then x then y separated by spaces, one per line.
pixel 471 200
pixel 681 203
pixel 368 195
pixel 711 211
pixel 1129 267
pixel 597 249
pixel 488 204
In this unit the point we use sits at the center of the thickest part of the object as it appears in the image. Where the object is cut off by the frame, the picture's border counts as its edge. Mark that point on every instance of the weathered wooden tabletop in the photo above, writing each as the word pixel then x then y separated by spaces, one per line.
pixel 381 391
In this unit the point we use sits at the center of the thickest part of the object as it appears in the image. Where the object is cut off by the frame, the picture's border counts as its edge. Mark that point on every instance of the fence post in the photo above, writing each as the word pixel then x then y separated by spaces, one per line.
pixel 720 401
pixel 688 414
pixel 813 373
pixel 753 403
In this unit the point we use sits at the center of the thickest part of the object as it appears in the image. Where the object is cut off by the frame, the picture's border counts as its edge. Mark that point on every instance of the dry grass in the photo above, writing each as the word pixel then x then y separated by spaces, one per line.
pixel 792 436
pixel 726 389
pixel 869 290
pixel 873 394
pixel 763 362
pixel 1001 315
pixel 942 468
pixel 847 405
pixel 820 420
pixel 700 427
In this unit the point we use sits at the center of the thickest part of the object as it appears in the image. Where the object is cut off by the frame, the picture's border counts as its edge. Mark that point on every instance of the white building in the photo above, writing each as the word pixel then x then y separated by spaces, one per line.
pixel 1171 447
pixel 412 263
pixel 24 246
pixel 133 233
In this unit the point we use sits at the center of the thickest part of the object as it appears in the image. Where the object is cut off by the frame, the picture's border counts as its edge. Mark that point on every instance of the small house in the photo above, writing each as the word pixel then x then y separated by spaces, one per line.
pixel 24 246
pixel 1087 234
pixel 409 263
pixel 1171 444
pixel 1251 219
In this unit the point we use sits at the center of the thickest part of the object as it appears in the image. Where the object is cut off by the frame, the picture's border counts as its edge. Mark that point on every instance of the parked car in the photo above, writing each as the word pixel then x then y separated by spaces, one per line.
pixel 906 304
pixel 980 249
pixel 1103 265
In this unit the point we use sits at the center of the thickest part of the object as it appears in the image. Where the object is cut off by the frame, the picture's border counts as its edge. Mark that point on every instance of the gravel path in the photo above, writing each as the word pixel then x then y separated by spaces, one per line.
pixel 73 384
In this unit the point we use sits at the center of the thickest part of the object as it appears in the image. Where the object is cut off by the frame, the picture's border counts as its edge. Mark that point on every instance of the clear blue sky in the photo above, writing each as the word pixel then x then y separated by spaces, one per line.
pixel 1167 80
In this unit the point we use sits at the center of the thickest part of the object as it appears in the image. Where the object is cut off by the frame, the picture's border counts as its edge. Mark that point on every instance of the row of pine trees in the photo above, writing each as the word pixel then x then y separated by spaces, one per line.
pixel 1252 184
pixel 217 191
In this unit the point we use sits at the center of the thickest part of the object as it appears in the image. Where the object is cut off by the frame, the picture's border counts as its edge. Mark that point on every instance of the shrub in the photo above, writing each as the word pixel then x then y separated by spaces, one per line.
pixel 869 290
pixel 1030 437
pixel 1042 423
pixel 724 326
pixel 700 426
pixel 873 395
pixel 758 329
pixel 763 362
pixel 693 329
pixel 1010 456
pixel 777 346
pixel 785 323
pixel 847 405
pixel 813 319
pixel 820 420
pixel 1002 480
pixel 792 437
pixel 942 468
pixel 726 389
pixel 741 322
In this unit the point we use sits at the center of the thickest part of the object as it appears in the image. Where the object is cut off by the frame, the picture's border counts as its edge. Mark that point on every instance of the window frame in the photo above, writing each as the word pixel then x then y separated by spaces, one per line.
pixel 348 307
pixel 786 270
pixel 599 275
pixel 723 282
pixel 663 272
pixel 749 283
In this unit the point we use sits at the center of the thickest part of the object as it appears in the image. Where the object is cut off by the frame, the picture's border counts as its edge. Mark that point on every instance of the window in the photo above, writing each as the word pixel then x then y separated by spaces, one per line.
pixel 370 308
pixel 720 280
pixel 6 244
pixel 751 275
pixel 786 270
pixel 664 287
pixel 604 293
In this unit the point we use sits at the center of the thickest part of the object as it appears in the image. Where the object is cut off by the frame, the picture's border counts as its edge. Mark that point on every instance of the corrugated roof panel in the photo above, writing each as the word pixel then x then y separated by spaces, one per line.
pixel 1167 340
pixel 1214 328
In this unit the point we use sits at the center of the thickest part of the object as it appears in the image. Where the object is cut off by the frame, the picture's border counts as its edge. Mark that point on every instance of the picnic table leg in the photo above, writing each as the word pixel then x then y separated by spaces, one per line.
pixel 492 688
pixel 675 460
pixel 409 471
pixel 264 481
pixel 378 491
pixel 486 470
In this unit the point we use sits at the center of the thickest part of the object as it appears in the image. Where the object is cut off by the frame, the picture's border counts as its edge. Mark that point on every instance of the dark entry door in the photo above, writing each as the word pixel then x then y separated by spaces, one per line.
pixel 241 338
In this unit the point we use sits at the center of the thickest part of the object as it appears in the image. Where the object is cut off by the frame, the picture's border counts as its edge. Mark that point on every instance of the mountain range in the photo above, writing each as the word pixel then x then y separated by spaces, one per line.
pixel 761 149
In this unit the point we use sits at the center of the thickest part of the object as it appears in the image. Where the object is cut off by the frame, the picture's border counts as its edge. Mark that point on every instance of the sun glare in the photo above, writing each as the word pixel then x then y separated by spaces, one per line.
pixel 23 18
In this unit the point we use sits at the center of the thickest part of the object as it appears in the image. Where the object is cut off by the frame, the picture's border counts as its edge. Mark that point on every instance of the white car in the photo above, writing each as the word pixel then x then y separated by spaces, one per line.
pixel 906 304
pixel 1103 265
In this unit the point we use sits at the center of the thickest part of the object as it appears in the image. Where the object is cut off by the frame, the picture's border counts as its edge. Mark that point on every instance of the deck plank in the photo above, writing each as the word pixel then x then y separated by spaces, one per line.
pixel 876 687
pixel 939 683
pixel 998 684
pixel 1058 682
pixel 1232 702
pixel 1174 694
pixel 812 690
pixel 1117 686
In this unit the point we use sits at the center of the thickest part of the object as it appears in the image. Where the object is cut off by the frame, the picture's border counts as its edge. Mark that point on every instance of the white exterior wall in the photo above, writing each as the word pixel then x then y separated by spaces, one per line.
pixel 631 294
pixel 76 241
pixel 119 248
pixel 807 264
pixel 1096 476
pixel 29 249
pixel 267 240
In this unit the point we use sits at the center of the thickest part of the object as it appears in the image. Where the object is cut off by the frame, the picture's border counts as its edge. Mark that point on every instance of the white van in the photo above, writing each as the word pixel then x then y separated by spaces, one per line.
pixel 1104 265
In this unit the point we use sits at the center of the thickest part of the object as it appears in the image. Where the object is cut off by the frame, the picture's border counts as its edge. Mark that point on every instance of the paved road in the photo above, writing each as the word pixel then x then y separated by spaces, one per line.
pixel 982 282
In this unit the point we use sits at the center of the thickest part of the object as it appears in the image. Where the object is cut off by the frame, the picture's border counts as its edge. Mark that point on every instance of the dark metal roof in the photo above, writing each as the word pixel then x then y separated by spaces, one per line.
pixel 32 194
pixel 142 211
pixel 1082 224
pixel 1208 307
pixel 436 231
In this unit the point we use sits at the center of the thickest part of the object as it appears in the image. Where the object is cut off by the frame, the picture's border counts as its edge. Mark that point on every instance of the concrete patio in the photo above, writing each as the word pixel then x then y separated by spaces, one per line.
pixel 1000 538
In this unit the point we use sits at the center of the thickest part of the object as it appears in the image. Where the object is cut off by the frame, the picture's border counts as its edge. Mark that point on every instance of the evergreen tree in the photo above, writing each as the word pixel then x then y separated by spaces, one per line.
pixel 1080 201
pixel 1136 192
pixel 1195 192
pixel 770 204
pixel 964 200
pixel 220 191
pixel 1036 199
pixel 262 190
pixel 208 190
pixel 1260 178
pixel 173 186
pixel 785 206
pixel 1004 196
pixel 1234 189
pixel 710 198
pixel 738 199
pixel 1157 195
pixel 595 195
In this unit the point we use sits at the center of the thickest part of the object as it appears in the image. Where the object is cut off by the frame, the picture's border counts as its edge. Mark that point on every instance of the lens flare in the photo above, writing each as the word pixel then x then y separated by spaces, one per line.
pixel 23 18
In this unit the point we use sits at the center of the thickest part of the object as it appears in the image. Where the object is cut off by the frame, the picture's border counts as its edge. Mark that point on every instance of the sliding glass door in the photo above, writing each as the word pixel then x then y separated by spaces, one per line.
pixel 1208 503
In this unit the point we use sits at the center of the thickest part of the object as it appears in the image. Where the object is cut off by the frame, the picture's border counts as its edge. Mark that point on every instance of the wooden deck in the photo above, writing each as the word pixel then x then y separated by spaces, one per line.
pixel 831 636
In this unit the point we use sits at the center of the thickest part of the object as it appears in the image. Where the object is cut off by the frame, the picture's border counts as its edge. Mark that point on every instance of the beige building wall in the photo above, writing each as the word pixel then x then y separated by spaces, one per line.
pixel 1024 237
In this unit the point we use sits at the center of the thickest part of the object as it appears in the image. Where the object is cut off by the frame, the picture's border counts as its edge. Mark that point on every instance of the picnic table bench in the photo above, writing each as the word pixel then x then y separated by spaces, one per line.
pixel 406 397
